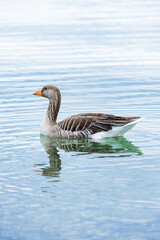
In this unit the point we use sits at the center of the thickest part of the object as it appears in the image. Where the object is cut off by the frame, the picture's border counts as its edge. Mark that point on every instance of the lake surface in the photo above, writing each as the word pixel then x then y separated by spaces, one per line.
pixel 105 57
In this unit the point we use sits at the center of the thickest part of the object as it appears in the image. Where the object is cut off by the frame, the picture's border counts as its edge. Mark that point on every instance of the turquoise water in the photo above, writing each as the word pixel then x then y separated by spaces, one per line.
pixel 105 57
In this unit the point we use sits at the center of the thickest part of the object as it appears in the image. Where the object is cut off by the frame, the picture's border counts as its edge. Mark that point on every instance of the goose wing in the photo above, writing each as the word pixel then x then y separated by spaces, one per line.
pixel 93 122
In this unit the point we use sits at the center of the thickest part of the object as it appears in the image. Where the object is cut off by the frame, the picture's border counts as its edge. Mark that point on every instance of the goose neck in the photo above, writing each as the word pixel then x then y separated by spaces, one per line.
pixel 52 112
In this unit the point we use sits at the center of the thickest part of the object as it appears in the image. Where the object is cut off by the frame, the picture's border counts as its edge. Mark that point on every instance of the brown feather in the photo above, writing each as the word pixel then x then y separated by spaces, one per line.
pixel 93 122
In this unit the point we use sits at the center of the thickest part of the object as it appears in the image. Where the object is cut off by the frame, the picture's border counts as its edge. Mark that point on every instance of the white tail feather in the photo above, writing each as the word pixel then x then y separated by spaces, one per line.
pixel 116 131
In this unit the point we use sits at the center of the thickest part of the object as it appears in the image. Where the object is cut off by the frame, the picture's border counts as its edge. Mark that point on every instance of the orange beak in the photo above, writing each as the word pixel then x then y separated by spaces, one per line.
pixel 38 93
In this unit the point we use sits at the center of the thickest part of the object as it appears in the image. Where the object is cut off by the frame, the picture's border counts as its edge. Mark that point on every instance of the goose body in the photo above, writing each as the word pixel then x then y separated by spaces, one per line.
pixel 85 125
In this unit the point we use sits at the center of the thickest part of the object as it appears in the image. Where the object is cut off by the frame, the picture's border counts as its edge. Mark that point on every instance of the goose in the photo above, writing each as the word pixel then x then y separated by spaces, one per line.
pixel 83 125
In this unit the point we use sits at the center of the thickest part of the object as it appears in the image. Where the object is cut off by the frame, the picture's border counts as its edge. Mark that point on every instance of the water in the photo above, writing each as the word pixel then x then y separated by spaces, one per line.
pixel 104 56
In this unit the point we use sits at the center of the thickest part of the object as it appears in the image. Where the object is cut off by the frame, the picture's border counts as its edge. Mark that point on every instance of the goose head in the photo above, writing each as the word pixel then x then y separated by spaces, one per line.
pixel 49 91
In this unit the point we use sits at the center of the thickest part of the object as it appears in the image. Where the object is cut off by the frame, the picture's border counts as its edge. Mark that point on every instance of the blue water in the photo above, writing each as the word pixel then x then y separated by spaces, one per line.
pixel 104 56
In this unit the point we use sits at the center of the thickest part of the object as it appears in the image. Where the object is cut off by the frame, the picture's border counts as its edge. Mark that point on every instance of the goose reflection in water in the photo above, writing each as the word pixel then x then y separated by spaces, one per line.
pixel 110 147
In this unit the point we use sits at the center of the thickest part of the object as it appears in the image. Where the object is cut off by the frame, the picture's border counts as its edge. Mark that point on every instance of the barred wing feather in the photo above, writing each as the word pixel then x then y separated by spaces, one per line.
pixel 93 122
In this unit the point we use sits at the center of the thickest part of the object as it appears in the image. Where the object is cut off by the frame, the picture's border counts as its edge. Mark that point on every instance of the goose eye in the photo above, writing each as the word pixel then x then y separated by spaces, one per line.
pixel 45 88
